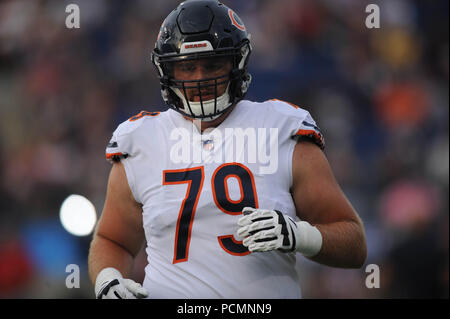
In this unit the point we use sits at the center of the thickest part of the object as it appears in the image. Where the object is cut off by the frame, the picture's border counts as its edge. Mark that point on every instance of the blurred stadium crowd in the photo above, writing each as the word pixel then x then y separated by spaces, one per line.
pixel 380 97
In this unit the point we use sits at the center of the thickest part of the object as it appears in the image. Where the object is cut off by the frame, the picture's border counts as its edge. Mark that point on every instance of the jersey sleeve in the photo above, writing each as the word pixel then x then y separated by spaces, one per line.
pixel 299 122
pixel 307 129
pixel 121 144
pixel 117 148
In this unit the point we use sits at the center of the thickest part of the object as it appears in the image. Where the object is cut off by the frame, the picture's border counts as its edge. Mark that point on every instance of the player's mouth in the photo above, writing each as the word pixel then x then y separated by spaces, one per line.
pixel 204 97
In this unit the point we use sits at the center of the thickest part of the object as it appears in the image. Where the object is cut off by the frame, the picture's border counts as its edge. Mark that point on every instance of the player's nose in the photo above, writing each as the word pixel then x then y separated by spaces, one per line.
pixel 199 73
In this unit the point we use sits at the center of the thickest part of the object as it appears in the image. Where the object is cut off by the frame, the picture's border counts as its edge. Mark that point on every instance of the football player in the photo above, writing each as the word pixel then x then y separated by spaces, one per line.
pixel 217 226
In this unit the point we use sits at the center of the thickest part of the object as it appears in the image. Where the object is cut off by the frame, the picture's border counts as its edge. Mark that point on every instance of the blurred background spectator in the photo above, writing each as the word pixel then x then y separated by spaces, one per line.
pixel 380 97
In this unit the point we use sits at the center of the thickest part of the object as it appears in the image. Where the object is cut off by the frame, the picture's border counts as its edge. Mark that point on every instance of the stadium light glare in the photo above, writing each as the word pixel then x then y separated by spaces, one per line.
pixel 78 215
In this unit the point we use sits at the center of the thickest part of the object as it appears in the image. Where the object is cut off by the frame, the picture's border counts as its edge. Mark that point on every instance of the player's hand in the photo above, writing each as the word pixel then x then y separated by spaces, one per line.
pixel 266 230
pixel 111 285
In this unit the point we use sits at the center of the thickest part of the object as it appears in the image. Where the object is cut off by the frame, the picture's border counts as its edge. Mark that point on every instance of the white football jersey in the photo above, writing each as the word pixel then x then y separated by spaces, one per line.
pixel 193 187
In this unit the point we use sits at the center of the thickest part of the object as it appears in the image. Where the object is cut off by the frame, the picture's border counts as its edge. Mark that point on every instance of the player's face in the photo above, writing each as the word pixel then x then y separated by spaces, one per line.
pixel 195 70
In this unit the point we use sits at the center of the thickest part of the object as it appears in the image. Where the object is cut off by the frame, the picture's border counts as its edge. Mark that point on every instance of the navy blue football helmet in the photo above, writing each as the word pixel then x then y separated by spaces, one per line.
pixel 202 29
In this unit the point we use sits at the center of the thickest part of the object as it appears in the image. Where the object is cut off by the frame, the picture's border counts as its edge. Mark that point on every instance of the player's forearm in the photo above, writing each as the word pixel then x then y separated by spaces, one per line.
pixel 343 245
pixel 106 253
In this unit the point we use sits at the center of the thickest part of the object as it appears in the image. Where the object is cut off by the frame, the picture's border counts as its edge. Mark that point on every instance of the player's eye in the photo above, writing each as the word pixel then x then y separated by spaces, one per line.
pixel 213 67
pixel 187 67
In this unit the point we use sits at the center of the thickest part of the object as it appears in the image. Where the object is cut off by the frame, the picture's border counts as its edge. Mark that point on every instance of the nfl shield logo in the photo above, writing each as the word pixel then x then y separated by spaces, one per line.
pixel 208 145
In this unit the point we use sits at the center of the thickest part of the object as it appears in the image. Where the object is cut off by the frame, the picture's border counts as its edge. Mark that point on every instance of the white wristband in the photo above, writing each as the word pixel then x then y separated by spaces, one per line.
pixel 308 239
pixel 104 276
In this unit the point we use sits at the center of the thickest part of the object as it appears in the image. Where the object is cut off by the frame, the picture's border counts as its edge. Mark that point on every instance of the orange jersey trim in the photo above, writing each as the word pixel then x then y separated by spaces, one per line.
pixel 142 114
pixel 318 138
pixel 111 155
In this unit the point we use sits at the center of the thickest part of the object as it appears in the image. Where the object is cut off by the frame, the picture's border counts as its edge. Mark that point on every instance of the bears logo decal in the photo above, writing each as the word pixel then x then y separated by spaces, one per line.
pixel 235 20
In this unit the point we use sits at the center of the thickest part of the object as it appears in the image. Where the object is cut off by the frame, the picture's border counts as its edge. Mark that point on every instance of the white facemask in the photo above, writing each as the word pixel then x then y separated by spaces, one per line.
pixel 208 106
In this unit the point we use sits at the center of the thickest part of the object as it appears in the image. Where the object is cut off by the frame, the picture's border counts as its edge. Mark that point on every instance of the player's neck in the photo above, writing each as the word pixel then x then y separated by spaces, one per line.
pixel 211 124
